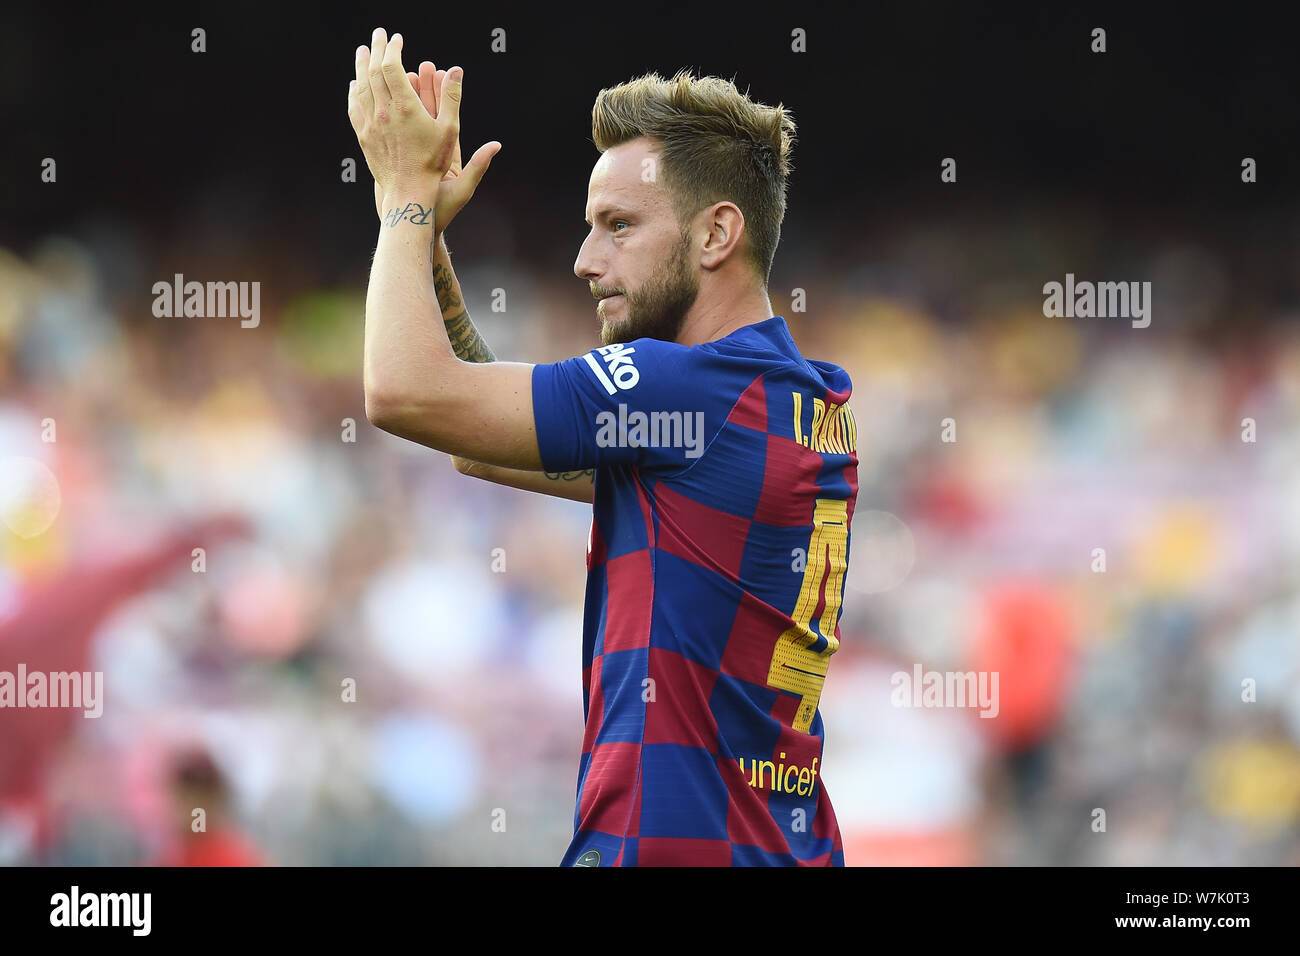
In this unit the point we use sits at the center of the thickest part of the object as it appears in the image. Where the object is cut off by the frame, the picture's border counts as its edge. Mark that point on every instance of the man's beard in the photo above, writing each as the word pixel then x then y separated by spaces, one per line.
pixel 658 309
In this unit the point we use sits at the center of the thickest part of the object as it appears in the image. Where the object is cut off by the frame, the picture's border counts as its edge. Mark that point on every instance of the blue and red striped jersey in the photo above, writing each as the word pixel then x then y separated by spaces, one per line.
pixel 725 479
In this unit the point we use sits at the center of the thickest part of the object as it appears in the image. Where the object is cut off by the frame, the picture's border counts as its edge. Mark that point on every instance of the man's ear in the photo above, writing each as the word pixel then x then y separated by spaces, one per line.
pixel 725 229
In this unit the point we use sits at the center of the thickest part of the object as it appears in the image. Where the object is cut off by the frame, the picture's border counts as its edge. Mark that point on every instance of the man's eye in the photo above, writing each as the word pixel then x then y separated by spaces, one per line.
pixel 619 222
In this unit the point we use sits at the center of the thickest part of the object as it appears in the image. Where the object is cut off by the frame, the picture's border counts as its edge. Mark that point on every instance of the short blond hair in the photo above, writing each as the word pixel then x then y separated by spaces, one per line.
pixel 715 144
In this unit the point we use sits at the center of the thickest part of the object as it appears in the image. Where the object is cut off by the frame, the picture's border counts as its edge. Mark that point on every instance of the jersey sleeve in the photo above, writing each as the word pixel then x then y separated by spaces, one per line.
pixel 644 403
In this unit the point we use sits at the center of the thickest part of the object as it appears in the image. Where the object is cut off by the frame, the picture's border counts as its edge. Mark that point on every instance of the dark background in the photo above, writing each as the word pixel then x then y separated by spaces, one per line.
pixel 246 139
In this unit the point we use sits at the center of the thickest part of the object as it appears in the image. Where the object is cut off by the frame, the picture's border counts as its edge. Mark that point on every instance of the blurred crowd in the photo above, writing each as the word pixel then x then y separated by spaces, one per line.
pixel 358 656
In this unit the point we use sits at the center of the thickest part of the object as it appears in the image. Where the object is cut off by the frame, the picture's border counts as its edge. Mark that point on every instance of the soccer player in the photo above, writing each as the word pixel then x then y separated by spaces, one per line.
pixel 721 463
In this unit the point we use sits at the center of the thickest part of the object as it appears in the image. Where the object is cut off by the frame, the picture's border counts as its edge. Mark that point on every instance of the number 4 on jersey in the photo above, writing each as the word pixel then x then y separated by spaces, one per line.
pixel 795 666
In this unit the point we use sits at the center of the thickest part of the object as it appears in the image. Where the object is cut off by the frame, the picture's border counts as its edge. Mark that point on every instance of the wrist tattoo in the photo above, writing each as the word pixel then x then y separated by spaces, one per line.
pixel 412 212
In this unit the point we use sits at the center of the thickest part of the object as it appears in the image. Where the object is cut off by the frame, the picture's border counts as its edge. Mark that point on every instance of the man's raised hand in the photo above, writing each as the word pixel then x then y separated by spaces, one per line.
pixel 407 149
pixel 458 184
pixel 433 91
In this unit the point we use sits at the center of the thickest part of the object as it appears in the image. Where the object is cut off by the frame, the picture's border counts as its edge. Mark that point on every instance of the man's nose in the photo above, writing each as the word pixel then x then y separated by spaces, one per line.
pixel 584 267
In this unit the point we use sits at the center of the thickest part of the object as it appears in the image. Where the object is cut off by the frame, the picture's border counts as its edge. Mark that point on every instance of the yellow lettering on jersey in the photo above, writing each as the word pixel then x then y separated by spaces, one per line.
pixel 794 667
pixel 819 412
pixel 823 439
pixel 826 440
pixel 836 437
pixel 833 431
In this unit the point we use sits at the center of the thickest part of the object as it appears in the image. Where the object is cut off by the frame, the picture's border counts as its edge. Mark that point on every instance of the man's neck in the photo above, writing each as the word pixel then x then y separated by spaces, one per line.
pixel 716 317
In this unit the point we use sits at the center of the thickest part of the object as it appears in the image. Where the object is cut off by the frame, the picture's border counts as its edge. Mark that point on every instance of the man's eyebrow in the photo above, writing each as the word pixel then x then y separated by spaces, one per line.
pixel 605 212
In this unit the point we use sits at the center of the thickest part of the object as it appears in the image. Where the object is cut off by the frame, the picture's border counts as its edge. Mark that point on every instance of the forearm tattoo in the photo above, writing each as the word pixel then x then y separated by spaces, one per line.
pixel 589 474
pixel 465 340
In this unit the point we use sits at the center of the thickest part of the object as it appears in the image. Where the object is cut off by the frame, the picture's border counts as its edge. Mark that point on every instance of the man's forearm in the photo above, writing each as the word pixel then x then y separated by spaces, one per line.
pixel 465 339
pixel 470 347
pixel 404 351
